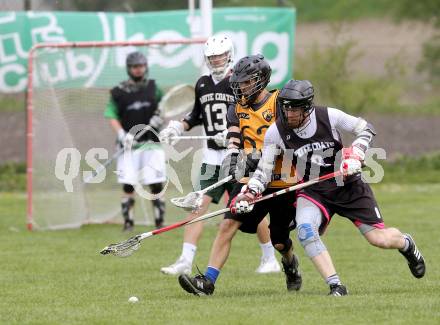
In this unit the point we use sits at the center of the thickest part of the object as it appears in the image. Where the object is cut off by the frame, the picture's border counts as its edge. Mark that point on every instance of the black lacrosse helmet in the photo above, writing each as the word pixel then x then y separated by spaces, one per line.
pixel 253 68
pixel 136 58
pixel 296 94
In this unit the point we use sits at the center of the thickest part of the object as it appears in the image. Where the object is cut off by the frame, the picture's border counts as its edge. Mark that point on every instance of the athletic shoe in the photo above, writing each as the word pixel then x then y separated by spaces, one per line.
pixel 128 225
pixel 416 262
pixel 293 276
pixel 338 290
pixel 268 265
pixel 181 266
pixel 199 285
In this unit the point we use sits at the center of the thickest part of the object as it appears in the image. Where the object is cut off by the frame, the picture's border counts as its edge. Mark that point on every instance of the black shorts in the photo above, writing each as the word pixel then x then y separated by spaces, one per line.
pixel 280 209
pixel 355 201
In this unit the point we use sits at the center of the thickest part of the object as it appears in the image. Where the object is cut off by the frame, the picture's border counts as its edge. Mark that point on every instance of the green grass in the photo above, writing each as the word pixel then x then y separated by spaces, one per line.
pixel 59 277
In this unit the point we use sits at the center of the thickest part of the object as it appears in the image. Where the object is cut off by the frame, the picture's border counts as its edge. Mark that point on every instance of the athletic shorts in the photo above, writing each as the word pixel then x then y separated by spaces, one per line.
pixel 146 166
pixel 280 209
pixel 355 201
pixel 209 174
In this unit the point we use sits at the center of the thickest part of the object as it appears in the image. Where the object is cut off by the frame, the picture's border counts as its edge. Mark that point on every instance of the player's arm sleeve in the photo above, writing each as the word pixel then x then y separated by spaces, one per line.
pixel 233 137
pixel 357 126
pixel 194 117
pixel 272 148
pixel 111 111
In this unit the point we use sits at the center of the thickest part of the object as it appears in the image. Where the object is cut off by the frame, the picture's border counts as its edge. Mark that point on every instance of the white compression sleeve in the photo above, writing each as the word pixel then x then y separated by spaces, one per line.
pixel 272 147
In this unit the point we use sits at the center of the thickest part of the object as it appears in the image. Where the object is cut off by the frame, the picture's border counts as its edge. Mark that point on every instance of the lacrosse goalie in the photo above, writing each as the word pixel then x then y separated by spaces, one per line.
pixel 213 95
pixel 134 102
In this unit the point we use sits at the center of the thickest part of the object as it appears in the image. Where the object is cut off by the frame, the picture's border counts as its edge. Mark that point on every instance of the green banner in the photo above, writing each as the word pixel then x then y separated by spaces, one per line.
pixel 269 31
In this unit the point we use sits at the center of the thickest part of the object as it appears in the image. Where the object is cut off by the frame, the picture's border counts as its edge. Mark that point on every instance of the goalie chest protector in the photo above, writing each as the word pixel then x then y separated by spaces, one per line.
pixel 136 105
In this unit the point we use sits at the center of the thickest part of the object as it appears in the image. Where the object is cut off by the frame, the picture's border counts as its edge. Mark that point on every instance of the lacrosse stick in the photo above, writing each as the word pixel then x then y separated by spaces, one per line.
pixel 177 100
pixel 118 153
pixel 194 137
pixel 193 200
pixel 128 247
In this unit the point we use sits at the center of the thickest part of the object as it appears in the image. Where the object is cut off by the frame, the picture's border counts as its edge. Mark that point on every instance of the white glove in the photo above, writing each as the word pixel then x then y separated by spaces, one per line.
pixel 129 141
pixel 174 129
pixel 156 122
pixel 352 160
pixel 121 136
pixel 243 202
pixel 220 138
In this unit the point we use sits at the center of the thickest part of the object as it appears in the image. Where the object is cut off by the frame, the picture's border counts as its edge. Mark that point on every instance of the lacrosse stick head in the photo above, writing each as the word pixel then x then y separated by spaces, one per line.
pixel 123 249
pixel 190 202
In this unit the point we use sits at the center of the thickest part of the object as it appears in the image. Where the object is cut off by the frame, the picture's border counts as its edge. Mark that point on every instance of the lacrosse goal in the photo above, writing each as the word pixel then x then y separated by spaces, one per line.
pixel 68 90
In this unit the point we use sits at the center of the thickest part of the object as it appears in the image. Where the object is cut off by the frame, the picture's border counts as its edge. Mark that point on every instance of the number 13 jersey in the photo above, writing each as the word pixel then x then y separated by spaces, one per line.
pixel 210 107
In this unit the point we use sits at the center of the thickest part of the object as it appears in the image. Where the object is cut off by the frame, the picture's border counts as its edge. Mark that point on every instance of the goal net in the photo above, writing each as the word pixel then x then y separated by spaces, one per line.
pixel 68 90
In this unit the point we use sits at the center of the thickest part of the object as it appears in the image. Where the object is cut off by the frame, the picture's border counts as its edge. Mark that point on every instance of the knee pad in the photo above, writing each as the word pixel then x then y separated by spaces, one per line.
pixel 127 188
pixel 287 245
pixel 309 238
pixel 156 188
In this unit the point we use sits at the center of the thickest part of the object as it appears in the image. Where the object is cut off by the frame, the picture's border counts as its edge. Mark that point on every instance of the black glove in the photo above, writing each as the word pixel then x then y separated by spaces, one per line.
pixel 252 160
pixel 229 165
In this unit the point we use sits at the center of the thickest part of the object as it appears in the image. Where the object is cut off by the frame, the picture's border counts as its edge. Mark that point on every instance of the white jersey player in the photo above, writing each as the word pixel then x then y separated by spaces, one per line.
pixel 213 96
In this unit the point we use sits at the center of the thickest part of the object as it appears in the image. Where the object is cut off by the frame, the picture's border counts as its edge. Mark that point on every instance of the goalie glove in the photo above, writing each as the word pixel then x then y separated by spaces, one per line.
pixel 126 140
pixel 174 129
pixel 243 202
pixel 220 138
pixel 352 159
pixel 156 122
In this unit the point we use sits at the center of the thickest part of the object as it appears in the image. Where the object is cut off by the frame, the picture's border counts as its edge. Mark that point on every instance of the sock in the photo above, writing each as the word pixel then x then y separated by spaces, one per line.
pixel 267 250
pixel 333 279
pixel 212 273
pixel 405 248
pixel 188 252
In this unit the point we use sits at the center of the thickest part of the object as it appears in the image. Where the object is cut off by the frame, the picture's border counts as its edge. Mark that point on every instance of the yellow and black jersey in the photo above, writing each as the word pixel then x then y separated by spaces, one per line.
pixel 253 124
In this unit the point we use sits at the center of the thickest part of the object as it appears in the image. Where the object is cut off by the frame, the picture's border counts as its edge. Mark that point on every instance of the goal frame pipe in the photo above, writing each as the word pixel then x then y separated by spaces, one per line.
pixel 30 96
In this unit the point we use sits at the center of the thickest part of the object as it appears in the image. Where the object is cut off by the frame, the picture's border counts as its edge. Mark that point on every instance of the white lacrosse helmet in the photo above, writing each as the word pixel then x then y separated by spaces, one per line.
pixel 219 55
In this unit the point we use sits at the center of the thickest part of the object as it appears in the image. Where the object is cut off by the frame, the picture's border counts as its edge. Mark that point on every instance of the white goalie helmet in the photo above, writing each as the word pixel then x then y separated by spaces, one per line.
pixel 219 55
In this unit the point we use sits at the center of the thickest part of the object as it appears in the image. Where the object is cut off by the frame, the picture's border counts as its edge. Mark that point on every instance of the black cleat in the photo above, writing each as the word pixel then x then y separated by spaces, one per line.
pixel 416 262
pixel 159 223
pixel 128 225
pixel 199 285
pixel 293 276
pixel 338 290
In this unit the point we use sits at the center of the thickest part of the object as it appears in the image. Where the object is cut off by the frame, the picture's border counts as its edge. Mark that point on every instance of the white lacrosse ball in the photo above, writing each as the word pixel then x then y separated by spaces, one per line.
pixel 133 299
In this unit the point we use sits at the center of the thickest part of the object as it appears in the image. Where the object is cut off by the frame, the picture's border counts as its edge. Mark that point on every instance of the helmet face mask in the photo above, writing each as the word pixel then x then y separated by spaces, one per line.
pixel 296 102
pixel 219 56
pixel 134 62
pixel 250 77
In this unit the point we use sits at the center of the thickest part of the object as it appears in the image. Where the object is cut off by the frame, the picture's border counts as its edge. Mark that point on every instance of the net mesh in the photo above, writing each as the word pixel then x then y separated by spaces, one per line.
pixel 70 92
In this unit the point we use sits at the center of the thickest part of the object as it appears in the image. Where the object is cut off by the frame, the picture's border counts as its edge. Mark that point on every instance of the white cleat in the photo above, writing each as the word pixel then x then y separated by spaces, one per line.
pixel 268 266
pixel 182 266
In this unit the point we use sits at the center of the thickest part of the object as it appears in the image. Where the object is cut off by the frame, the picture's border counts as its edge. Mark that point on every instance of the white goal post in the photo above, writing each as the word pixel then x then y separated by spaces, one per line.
pixel 68 90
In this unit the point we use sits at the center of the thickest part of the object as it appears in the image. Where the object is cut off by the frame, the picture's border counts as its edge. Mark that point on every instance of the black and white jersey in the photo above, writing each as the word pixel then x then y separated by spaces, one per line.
pixel 210 107
pixel 313 154
pixel 313 149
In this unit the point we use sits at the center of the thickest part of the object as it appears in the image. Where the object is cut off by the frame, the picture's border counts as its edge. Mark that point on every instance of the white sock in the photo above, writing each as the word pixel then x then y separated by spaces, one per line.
pixel 189 251
pixel 267 250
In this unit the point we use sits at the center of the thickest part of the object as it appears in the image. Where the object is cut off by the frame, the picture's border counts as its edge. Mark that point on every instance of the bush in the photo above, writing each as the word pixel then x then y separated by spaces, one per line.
pixel 336 85
pixel 13 177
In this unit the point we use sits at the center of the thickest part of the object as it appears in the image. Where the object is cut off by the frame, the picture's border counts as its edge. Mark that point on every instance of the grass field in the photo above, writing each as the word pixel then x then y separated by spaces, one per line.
pixel 59 277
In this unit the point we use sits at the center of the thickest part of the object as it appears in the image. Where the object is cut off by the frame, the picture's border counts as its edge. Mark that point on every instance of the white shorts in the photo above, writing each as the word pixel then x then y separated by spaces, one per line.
pixel 144 166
